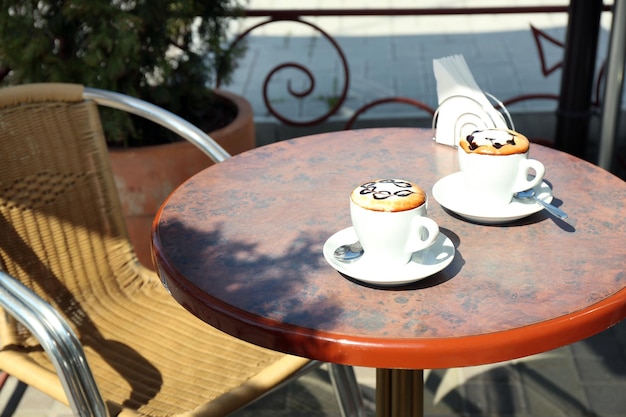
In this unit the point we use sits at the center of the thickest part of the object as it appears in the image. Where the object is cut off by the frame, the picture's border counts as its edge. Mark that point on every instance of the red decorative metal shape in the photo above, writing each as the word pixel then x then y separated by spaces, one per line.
pixel 526 97
pixel 404 100
pixel 538 35
pixel 311 78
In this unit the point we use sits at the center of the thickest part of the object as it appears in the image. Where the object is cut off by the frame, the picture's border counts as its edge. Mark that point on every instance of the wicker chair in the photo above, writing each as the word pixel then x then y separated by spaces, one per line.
pixel 86 323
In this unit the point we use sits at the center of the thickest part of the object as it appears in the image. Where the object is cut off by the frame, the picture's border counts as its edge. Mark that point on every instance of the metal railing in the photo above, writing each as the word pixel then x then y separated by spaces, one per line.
pixel 300 16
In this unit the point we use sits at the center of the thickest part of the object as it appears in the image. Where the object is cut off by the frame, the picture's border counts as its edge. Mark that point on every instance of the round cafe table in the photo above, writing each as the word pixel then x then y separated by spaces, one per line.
pixel 240 246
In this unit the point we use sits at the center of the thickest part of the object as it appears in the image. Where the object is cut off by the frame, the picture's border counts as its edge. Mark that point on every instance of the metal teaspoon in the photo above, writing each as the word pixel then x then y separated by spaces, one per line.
pixel 349 253
pixel 552 209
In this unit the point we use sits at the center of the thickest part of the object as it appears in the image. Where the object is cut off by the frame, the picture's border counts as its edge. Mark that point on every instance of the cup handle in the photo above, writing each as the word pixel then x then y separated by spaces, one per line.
pixel 523 183
pixel 416 242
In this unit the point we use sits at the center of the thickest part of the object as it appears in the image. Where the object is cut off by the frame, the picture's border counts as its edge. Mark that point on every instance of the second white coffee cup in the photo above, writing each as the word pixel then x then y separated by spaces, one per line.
pixel 493 176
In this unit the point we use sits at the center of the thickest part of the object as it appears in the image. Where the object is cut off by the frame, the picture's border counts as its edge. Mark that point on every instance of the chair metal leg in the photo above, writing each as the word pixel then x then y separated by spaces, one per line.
pixel 14 399
pixel 346 390
pixel 60 343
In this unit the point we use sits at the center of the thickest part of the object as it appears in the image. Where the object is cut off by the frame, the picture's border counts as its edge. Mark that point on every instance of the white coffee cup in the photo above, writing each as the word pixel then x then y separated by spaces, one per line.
pixel 389 220
pixel 493 174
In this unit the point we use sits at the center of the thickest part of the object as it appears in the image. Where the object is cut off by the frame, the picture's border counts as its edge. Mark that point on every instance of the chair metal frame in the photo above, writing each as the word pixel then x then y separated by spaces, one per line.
pixel 60 343
pixel 160 116
pixel 59 340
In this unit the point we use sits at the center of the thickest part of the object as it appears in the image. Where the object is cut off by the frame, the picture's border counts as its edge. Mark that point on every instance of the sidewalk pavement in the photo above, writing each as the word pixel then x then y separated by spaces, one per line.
pixel 393 56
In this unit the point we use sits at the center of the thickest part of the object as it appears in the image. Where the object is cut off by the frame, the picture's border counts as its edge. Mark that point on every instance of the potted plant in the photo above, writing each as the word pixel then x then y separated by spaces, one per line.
pixel 167 52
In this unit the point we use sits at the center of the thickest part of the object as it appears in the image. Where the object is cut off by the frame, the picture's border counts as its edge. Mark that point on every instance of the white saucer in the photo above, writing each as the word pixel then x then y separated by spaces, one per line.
pixel 452 194
pixel 422 264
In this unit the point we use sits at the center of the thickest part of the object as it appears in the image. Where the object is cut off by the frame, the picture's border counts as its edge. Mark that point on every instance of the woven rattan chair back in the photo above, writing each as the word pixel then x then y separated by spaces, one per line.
pixel 62 234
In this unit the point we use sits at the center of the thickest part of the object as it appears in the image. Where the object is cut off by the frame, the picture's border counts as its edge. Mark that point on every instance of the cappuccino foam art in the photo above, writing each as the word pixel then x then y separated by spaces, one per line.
pixel 389 195
pixel 495 142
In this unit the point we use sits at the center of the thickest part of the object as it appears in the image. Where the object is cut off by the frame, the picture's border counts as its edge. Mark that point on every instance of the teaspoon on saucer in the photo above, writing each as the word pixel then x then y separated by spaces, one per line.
pixel 552 209
pixel 349 253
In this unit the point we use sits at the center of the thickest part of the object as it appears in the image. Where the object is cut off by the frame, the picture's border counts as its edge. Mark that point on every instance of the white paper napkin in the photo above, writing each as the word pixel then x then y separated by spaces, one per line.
pixel 463 107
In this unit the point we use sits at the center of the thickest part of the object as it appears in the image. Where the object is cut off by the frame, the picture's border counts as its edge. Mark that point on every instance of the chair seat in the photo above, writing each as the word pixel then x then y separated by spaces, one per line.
pixel 155 330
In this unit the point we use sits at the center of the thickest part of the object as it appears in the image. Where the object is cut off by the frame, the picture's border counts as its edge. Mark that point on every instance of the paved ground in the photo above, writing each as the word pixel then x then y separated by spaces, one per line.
pixel 394 57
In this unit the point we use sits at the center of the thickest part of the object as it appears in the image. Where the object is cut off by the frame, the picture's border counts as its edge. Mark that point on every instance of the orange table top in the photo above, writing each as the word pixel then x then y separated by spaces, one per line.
pixel 240 246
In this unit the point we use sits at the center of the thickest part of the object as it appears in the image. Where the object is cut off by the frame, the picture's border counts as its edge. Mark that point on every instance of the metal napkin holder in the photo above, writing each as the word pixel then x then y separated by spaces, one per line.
pixel 458 116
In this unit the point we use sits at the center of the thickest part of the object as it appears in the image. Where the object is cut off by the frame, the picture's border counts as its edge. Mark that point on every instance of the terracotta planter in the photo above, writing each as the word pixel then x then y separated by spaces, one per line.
pixel 146 176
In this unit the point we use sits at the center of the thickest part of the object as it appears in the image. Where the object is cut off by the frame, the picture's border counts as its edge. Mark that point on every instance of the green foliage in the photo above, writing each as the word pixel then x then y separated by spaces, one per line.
pixel 168 52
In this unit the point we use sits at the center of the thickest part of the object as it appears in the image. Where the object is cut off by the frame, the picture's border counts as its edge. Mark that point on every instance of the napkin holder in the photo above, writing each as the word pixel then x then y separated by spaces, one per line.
pixel 458 116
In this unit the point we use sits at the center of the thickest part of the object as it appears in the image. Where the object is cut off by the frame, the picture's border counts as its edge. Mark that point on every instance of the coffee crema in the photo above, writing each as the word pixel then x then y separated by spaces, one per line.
pixel 390 195
pixel 495 142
